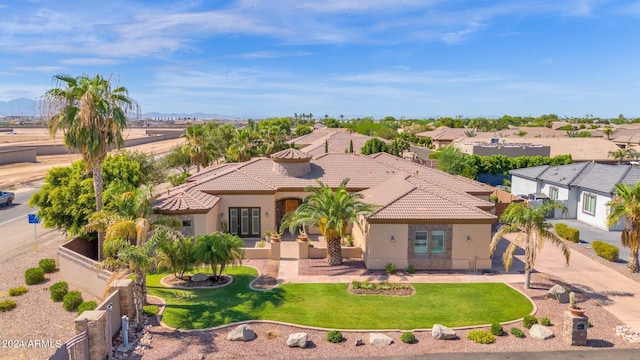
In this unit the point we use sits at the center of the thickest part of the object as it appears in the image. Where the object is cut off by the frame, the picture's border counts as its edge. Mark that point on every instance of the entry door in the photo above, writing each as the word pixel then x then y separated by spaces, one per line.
pixel 244 222
pixel 291 205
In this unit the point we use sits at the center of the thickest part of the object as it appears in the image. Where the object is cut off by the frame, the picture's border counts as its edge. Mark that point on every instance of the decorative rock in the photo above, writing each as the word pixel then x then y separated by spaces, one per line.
pixel 377 339
pixel 199 277
pixel 297 340
pixel 540 332
pixel 441 332
pixel 242 333
pixel 559 293
pixel 627 332
pixel 359 342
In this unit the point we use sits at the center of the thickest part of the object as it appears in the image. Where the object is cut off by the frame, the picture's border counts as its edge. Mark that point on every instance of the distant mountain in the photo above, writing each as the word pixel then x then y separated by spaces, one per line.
pixel 21 106
pixel 175 116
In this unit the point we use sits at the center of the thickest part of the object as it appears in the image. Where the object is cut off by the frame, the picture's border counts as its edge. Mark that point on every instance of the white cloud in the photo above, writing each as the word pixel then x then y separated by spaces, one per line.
pixel 89 61
pixel 274 54
pixel 45 69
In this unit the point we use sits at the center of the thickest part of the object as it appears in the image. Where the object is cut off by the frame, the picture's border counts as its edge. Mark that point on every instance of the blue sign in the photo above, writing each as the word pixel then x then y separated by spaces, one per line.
pixel 33 219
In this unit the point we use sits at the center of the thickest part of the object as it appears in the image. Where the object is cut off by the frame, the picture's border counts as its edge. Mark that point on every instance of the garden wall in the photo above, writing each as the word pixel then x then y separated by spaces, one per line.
pixel 12 155
pixel 80 270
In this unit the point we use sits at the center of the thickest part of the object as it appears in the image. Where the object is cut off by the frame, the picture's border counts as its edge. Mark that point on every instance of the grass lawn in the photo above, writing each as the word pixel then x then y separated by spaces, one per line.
pixel 332 306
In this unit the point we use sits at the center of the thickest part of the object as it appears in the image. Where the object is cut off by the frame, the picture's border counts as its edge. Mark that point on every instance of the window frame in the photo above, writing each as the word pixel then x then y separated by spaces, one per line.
pixel 424 247
pixel 586 203
pixel 554 190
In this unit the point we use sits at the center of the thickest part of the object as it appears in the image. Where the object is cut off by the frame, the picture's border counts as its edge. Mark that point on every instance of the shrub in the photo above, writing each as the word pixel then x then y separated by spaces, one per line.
pixel 496 329
pixel 517 332
pixel 48 265
pixel 390 268
pixel 408 338
pixel 6 305
pixel 17 291
pixel 150 310
pixel 58 290
pixel 604 250
pixel 33 276
pixel 410 269
pixel 545 321
pixel 568 233
pixel 334 336
pixel 481 337
pixel 356 284
pixel 72 300
pixel 529 320
pixel 87 305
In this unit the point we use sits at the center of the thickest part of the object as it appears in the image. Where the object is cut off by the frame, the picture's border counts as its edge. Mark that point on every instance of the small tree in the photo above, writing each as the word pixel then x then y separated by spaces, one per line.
pixel 351 146
pixel 219 250
pixel 625 206
pixel 374 145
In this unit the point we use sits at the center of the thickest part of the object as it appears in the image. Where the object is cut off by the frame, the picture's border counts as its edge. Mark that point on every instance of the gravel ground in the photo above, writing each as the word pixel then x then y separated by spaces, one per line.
pixel 271 340
pixel 37 325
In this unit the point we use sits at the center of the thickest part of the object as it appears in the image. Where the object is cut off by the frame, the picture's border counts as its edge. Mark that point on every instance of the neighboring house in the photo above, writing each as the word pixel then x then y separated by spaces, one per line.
pixel 495 147
pixel 584 188
pixel 336 140
pixel 443 135
pixel 428 218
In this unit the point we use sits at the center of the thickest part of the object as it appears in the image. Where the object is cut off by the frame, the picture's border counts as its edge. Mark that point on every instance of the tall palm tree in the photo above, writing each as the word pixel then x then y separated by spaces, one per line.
pixel 242 146
pixel 331 211
pixel 91 115
pixel 608 131
pixel 622 154
pixel 219 250
pixel 198 146
pixel 532 231
pixel 625 206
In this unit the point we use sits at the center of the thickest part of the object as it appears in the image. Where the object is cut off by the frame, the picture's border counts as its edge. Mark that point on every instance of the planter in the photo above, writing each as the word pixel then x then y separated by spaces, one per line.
pixel 275 238
pixel 577 311
pixel 303 238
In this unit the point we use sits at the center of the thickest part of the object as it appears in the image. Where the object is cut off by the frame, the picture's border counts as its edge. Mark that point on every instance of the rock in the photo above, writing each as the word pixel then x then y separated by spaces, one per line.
pixel 441 332
pixel 243 332
pixel 359 342
pixel 297 340
pixel 540 332
pixel 377 339
pixel 559 293
pixel 199 277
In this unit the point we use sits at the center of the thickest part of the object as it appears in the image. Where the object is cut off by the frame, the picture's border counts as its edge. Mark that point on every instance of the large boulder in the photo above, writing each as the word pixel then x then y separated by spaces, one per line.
pixel 297 340
pixel 243 332
pixel 441 332
pixel 199 277
pixel 559 293
pixel 540 332
pixel 377 339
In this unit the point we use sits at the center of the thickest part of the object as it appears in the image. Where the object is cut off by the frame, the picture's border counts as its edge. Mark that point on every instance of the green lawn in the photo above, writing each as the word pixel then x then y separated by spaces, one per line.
pixel 332 306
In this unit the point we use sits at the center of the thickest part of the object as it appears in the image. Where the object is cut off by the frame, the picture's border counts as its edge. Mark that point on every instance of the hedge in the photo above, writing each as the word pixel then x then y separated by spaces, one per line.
pixel 34 276
pixel 568 233
pixel 47 265
pixel 604 250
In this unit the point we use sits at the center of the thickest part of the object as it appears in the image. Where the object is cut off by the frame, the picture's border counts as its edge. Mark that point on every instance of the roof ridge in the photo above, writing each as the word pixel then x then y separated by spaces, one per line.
pixel 397 197
pixel 474 208
pixel 463 193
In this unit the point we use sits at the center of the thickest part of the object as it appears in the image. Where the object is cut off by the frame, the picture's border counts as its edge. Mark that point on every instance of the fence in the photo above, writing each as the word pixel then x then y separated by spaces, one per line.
pixel 76 348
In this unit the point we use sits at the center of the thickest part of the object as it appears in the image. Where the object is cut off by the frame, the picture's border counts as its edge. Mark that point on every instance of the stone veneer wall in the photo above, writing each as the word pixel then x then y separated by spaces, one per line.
pixel 291 168
pixel 430 261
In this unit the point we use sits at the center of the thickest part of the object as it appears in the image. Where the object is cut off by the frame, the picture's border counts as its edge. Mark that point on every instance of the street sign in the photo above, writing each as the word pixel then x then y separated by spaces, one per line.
pixel 33 219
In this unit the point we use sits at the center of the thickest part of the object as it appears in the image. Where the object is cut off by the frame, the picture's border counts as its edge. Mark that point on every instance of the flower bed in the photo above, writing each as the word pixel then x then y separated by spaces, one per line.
pixel 383 288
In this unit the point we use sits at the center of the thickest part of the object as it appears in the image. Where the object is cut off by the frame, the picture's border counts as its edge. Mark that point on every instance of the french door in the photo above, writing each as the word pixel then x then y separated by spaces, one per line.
pixel 244 221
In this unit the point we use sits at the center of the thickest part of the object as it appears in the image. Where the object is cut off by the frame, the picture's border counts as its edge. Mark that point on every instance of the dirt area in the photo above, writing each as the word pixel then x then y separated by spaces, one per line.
pixel 20 173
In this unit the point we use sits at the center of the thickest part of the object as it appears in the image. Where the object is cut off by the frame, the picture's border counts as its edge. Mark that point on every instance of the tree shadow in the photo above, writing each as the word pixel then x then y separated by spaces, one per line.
pixel 496 259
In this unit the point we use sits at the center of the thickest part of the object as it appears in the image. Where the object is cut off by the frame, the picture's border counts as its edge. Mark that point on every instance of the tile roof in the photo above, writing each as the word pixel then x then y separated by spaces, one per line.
pixel 291 154
pixel 183 198
pixel 337 142
pixel 601 178
pixel 531 173
pixel 563 175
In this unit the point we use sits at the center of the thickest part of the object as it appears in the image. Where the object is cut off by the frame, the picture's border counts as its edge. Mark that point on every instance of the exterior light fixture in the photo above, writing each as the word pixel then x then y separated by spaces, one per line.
pixel 392 238
pixel 468 238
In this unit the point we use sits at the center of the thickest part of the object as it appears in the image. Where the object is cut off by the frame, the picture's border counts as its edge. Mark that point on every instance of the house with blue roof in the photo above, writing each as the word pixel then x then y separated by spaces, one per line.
pixel 584 188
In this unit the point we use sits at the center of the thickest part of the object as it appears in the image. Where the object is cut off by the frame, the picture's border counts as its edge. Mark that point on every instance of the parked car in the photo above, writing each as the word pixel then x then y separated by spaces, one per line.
pixel 7 197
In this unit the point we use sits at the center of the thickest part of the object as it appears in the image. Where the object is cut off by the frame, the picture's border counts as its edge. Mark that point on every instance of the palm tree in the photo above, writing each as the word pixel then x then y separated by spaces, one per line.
pixel 127 230
pixel 198 146
pixel 622 154
pixel 91 116
pixel 607 131
pixel 219 250
pixel 242 146
pixel 532 231
pixel 625 206
pixel 331 211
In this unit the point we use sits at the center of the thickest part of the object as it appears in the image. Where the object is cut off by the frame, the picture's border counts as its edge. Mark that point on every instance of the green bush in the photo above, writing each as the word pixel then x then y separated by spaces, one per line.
pixel 58 290
pixel 48 265
pixel 545 321
pixel 6 305
pixel 72 300
pixel 481 337
pixel 334 336
pixel 410 269
pixel 496 329
pixel 390 268
pixel 87 305
pixel 33 276
pixel 517 332
pixel 150 310
pixel 604 250
pixel 529 320
pixel 408 338
pixel 17 291
pixel 568 233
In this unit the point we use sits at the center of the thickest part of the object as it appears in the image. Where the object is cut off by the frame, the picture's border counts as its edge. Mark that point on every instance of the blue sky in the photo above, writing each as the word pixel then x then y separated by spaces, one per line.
pixel 263 58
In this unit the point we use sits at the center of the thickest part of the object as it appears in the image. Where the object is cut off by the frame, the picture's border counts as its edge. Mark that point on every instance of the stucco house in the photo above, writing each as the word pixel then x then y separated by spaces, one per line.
pixel 584 188
pixel 427 218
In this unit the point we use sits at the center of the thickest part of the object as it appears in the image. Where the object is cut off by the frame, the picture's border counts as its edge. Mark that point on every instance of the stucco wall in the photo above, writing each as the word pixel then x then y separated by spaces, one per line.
pixel 472 254
pixel 523 186
pixel 82 271
pixel 379 250
pixel 12 155
pixel 266 203
pixel 599 219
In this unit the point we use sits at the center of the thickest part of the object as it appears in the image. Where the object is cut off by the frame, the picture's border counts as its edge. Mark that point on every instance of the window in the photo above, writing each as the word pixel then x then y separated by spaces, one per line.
pixel 553 193
pixel 429 242
pixel 589 203
pixel 420 242
pixel 186 223
pixel 437 242
pixel 245 221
